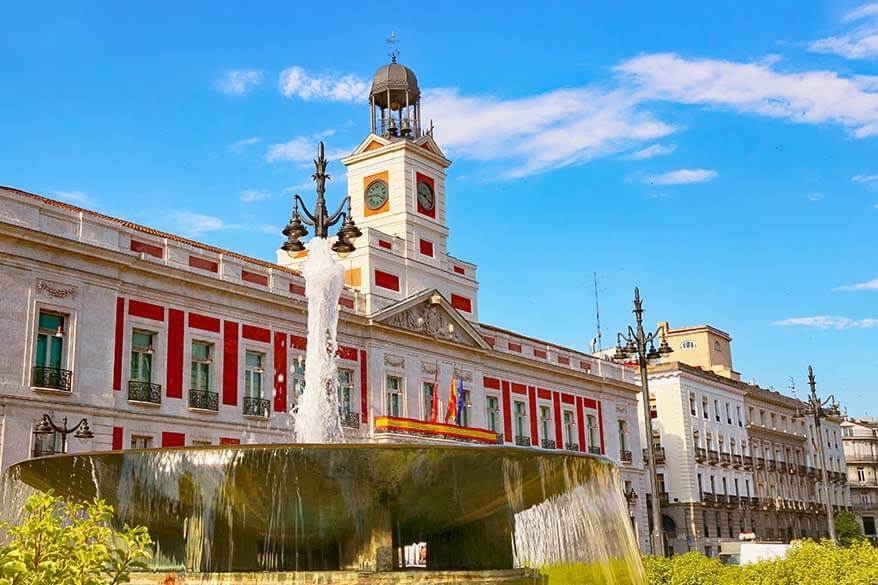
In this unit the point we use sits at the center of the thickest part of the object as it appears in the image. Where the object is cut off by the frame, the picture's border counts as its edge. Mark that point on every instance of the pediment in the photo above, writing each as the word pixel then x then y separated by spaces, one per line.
pixel 372 142
pixel 430 314
pixel 426 142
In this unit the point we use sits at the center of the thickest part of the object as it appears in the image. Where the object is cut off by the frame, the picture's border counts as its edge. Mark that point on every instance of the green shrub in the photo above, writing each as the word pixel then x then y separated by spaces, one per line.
pixel 66 543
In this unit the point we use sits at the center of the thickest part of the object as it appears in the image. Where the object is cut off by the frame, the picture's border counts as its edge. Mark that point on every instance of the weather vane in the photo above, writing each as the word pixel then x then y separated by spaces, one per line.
pixel 391 41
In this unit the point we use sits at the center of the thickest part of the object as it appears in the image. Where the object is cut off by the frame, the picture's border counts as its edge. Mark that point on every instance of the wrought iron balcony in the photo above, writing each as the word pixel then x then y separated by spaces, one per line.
pixel 254 406
pixel 625 455
pixel 771 465
pixel 204 400
pixel 349 419
pixel 658 454
pixel 737 460
pixel 700 453
pixel 725 458
pixel 522 441
pixel 734 500
pixel 594 449
pixel 760 463
pixel 712 456
pixel 54 378
pixel 708 498
pixel 547 444
pixel 571 447
pixel 139 391
pixel 754 503
pixel 792 468
pixel 748 462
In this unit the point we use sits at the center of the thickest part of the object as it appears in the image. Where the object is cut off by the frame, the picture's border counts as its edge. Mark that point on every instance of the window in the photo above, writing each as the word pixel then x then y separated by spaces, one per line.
pixel 704 408
pixel 847 431
pixel 725 486
pixel 253 374
pixel 345 390
pixel 492 409
pixel 592 428
pixel 861 474
pixel 716 410
pixel 202 354
pixel 427 390
pixel 706 527
pixel 700 485
pixel 737 486
pixel 50 340
pixel 141 356
pixel 141 442
pixel 464 413
pixel 869 525
pixel 687 344
pixel 623 435
pixel 716 346
pixel 394 395
pixel 740 420
pixel 545 422
pixel 692 404
pixel 728 413
pixel 298 377
pixel 520 419
pixel 569 428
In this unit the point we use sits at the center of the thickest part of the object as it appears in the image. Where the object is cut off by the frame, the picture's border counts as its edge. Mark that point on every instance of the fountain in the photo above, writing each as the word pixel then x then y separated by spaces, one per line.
pixel 323 511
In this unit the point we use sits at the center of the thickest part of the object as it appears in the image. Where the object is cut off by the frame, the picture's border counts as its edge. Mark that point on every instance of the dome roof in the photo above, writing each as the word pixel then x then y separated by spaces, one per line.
pixel 395 77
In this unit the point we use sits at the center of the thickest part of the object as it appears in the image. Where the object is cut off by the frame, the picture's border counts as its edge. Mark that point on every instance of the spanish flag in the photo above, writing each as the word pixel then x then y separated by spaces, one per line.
pixel 451 413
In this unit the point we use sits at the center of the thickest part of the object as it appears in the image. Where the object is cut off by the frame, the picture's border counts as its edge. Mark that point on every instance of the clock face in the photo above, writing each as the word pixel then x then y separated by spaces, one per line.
pixel 376 194
pixel 426 198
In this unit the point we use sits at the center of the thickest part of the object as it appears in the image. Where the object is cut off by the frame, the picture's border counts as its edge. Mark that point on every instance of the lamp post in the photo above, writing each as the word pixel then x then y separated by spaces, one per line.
pixel 636 342
pixel 47 426
pixel 818 409
pixel 321 220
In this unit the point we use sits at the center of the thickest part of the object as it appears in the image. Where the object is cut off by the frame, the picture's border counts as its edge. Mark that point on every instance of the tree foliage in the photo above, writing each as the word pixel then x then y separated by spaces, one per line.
pixel 68 543
pixel 807 563
pixel 847 531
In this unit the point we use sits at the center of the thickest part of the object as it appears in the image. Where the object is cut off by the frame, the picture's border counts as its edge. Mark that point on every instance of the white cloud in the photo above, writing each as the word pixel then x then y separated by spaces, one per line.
pixel 251 195
pixel 653 151
pixel 860 286
pixel 541 132
pixel 236 82
pixel 815 197
pixel 197 224
pixel 864 179
pixel 683 176
pixel 864 11
pixel 828 322
pixel 302 150
pixel 811 97
pixel 241 144
pixel 296 82
pixel 857 44
pixel 76 197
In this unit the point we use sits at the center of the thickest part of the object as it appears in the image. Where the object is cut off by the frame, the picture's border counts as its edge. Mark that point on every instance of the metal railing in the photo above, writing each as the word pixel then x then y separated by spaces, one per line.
pixel 760 463
pixel 725 458
pixel 54 378
pixel 547 444
pixel 140 391
pixel 255 406
pixel 771 465
pixel 737 460
pixel 625 455
pixel 748 462
pixel 658 453
pixel 865 506
pixel 522 441
pixel 700 453
pixel 500 439
pixel 708 498
pixel 712 456
pixel 594 449
pixel 204 400
pixel 571 447
pixel 349 419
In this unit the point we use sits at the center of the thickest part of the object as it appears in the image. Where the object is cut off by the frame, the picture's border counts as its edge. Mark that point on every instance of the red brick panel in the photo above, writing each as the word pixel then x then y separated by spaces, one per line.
pixel 459 269
pixel 297 289
pixel 580 422
pixel 204 322
pixel 254 277
pixel 346 302
pixel 492 383
pixel 146 310
pixel 280 371
pixel 601 426
pixel 230 363
pixel 461 303
pixel 563 360
pixel 203 264
pixel 144 248
pixel 559 436
pixel 254 333
pixel 298 342
pixel 364 389
pixel 117 347
pixel 229 441
pixel 539 353
pixel 507 413
pixel 118 434
pixel 387 280
pixel 544 394
pixel 534 430
pixel 175 354
pixel 514 346
pixel 171 439
pixel 385 244
pixel 347 353
pixel 426 248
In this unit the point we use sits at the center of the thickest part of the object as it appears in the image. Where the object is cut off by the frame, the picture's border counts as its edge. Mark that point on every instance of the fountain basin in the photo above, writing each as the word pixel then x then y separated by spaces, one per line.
pixel 350 508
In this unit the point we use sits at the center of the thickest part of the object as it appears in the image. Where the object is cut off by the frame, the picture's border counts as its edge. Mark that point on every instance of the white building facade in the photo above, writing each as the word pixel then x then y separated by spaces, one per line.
pixel 160 341
pixel 860 442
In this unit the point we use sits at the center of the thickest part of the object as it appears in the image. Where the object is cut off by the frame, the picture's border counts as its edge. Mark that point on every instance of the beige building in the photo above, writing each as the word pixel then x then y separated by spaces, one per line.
pixel 161 341
pixel 860 439
pixel 732 457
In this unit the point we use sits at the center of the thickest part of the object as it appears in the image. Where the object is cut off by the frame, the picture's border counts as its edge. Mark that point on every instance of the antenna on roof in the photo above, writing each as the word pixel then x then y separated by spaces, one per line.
pixel 596 340
pixel 792 387
pixel 391 41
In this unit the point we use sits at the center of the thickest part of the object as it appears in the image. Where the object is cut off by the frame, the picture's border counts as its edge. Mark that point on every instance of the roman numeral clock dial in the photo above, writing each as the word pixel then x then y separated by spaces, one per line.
pixel 376 195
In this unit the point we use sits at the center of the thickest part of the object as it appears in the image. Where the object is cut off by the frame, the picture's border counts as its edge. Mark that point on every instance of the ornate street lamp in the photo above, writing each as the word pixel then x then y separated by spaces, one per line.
pixel 321 220
pixel 821 409
pixel 636 342
pixel 47 426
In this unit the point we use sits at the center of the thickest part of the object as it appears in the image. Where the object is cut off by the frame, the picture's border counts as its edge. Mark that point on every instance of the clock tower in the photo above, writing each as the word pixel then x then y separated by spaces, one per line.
pixel 396 182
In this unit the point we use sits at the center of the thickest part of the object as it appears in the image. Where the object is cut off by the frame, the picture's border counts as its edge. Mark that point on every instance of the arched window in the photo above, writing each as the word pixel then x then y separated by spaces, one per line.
pixel 716 346
pixel 687 344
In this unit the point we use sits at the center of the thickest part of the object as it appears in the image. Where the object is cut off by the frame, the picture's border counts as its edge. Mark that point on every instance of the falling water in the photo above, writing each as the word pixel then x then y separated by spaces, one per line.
pixel 317 417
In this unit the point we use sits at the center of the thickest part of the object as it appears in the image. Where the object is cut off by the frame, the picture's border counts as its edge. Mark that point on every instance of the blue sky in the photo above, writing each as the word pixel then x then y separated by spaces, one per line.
pixel 723 158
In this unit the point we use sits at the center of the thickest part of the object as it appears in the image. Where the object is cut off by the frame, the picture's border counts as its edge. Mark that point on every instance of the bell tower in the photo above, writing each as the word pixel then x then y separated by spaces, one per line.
pixel 396 184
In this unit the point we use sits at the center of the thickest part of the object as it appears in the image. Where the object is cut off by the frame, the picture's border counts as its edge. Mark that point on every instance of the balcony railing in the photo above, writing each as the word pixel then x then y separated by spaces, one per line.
pixel 204 400
pixel 708 498
pixel 737 460
pixel 54 378
pixel 139 391
pixel 748 462
pixel 700 453
pixel 349 419
pixel 771 465
pixel 255 406
pixel 658 453
pixel 712 456
pixel 865 506
pixel 522 441
pixel 571 447
pixel 754 503
pixel 734 500
pixel 725 458
pixel 625 455
pixel 594 449
pixel 547 444
pixel 760 463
